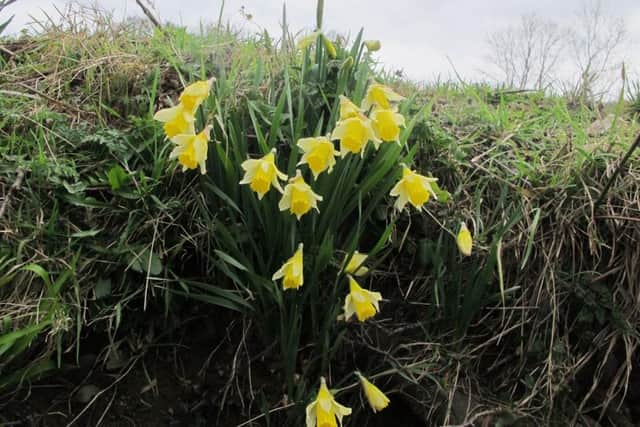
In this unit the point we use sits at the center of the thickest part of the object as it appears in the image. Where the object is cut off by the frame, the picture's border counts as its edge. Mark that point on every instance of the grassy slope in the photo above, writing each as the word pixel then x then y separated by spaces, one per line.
pixel 539 325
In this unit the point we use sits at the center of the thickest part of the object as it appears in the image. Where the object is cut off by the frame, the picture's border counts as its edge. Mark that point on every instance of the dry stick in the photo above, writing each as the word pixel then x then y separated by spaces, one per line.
pixel 147 11
pixel 633 147
pixel 15 186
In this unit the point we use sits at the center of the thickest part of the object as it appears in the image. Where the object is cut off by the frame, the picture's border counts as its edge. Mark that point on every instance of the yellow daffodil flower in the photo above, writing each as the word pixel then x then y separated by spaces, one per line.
pixel 323 411
pixel 386 124
pixel 262 173
pixel 191 150
pixel 307 40
pixel 194 94
pixel 348 109
pixel 329 46
pixel 379 95
pixel 413 188
pixel 372 45
pixel 177 121
pixel 356 264
pixel 361 302
pixel 464 240
pixel 291 271
pixel 319 154
pixel 298 197
pixel 377 399
pixel 354 133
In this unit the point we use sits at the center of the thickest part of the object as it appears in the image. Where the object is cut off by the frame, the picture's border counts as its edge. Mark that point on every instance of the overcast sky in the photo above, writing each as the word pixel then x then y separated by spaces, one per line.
pixel 421 37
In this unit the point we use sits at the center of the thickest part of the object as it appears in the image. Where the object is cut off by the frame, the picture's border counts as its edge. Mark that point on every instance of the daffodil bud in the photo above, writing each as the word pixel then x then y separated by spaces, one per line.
pixel 372 45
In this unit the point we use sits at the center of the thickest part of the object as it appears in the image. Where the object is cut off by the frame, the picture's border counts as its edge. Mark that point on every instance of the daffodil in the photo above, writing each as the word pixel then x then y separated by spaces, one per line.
pixel 298 197
pixel 386 124
pixel 354 133
pixel 361 302
pixel 379 95
pixel 194 94
pixel 291 271
pixel 191 150
pixel 177 121
pixel 377 399
pixel 323 411
pixel 413 188
pixel 372 45
pixel 348 109
pixel 464 240
pixel 356 264
pixel 319 154
pixel 262 173
pixel 307 40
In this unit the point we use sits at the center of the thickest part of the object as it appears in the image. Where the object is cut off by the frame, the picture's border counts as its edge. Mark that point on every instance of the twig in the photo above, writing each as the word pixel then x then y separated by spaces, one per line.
pixel 256 418
pixel 15 186
pixel 628 154
pixel 147 11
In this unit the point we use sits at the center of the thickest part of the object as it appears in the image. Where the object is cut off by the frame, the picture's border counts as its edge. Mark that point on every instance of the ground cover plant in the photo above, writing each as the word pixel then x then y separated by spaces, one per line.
pixel 135 287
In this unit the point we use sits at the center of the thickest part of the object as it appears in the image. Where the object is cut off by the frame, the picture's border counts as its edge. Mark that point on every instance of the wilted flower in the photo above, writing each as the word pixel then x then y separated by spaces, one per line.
pixel 381 96
pixel 177 121
pixel 191 150
pixel 361 302
pixel 356 264
pixel 377 399
pixel 324 410
pixel 386 124
pixel 319 154
pixel 291 271
pixel 413 188
pixel 262 173
pixel 464 240
pixel 354 133
pixel 298 197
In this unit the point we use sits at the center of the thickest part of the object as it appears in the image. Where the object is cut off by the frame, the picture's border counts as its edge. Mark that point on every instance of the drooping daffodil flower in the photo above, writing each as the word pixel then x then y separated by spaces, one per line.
pixel 386 124
pixel 355 266
pixel 354 133
pixel 319 154
pixel 191 150
pixel 180 118
pixel 361 302
pixel 379 95
pixel 262 173
pixel 298 197
pixel 464 240
pixel 324 411
pixel 413 188
pixel 194 94
pixel 176 121
pixel 377 399
pixel 291 271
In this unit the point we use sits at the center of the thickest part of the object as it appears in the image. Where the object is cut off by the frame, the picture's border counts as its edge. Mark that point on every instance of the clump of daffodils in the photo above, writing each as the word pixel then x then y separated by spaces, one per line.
pixel 377 120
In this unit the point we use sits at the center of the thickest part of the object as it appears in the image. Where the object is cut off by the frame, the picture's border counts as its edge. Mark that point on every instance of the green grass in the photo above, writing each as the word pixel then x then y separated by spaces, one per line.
pixel 103 225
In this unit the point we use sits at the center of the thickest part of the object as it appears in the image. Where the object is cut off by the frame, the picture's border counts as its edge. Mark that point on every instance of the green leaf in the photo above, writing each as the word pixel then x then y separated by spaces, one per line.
pixel 117 177
pixel 146 262
pixel 102 288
